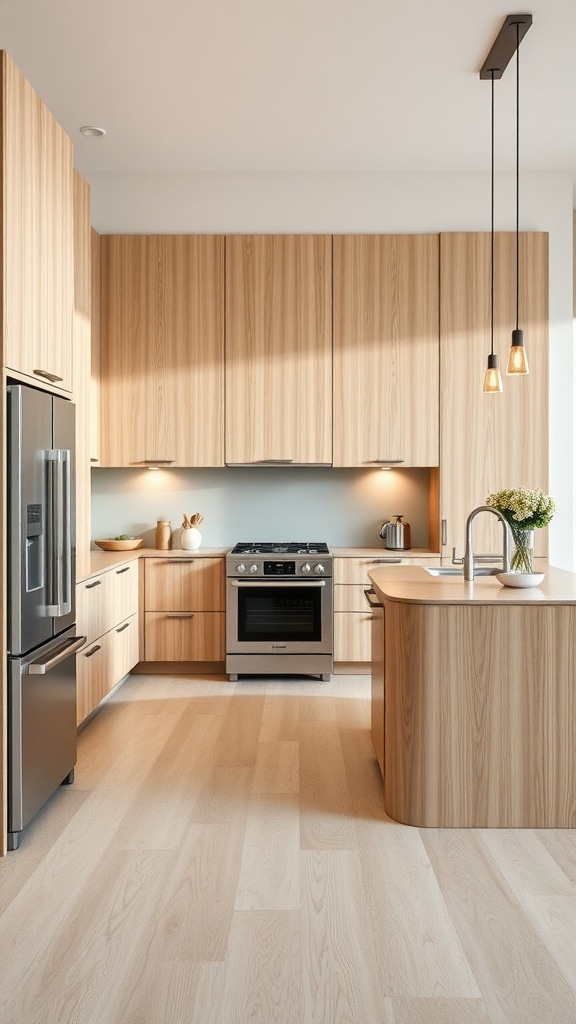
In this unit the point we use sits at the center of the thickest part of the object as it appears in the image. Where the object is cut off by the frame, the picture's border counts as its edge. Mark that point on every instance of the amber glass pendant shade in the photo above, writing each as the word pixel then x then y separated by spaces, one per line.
pixel 492 378
pixel 517 359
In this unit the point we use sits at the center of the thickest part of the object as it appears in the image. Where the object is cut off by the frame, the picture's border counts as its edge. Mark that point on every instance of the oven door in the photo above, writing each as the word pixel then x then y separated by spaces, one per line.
pixel 271 617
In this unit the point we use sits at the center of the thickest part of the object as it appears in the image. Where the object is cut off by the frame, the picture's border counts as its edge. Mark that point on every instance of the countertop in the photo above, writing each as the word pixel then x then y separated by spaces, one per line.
pixel 413 585
pixel 100 561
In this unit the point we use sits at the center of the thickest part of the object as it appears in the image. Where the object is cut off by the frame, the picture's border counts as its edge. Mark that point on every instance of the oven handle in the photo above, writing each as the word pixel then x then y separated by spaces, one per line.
pixel 277 583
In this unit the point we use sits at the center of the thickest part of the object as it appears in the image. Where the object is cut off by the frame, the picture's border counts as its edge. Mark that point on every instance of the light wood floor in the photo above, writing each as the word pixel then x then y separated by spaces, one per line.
pixel 224 858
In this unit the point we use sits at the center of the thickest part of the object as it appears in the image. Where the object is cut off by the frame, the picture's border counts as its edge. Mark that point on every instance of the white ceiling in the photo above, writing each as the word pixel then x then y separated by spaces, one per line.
pixel 297 85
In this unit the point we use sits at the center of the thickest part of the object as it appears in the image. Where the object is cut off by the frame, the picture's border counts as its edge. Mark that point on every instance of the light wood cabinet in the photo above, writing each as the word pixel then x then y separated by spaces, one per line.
pixel 162 350
pixel 490 441
pixel 38 266
pixel 184 609
pixel 107 614
pixel 95 350
pixel 386 350
pixel 353 619
pixel 278 349
pixel 82 358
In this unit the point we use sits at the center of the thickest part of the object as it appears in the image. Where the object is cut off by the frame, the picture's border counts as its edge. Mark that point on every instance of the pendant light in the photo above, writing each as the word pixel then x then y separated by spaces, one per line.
pixel 517 360
pixel 492 378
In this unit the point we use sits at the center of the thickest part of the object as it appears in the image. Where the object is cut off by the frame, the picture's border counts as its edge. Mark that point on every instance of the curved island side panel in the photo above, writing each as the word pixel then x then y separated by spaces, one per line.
pixel 480 716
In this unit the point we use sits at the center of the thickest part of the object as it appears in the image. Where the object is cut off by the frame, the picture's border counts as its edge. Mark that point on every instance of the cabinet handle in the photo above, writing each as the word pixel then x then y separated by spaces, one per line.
pixel 125 569
pixel 153 462
pixel 96 583
pixel 178 561
pixel 49 376
pixel 371 599
pixel 385 462
pixel 92 651
pixel 179 615
pixel 444 532
pixel 93 459
pixel 386 561
pixel 122 628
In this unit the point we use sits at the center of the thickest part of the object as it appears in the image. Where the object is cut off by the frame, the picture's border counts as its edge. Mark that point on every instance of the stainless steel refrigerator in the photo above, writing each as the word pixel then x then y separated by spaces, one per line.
pixel 42 640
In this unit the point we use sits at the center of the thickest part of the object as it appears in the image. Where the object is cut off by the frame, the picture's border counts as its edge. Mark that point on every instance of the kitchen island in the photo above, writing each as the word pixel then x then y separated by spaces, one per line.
pixel 474 707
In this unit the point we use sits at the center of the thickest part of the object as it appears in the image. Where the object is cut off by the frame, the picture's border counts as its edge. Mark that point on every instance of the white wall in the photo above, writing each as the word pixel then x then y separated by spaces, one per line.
pixel 341 203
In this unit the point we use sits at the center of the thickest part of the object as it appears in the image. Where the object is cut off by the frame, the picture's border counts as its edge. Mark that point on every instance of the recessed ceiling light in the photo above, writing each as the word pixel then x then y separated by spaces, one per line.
pixel 92 131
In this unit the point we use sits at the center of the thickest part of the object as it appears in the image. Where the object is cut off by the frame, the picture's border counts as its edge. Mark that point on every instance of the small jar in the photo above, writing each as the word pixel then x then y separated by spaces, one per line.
pixel 163 535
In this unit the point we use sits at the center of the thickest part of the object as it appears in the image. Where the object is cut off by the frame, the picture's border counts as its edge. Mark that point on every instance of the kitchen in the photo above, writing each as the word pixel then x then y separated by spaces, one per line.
pixel 343 203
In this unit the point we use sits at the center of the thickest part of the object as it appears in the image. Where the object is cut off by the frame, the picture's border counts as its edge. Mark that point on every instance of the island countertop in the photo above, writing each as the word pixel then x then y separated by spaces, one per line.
pixel 413 585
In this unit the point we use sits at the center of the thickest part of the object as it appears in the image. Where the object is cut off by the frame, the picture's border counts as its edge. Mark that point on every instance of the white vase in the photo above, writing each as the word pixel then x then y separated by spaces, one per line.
pixel 190 539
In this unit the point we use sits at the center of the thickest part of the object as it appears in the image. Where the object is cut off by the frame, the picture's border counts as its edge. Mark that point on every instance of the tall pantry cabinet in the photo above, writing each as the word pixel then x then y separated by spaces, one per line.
pixel 490 441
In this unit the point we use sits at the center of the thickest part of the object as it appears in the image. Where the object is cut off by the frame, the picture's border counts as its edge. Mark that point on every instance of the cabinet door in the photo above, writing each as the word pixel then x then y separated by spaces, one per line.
pixel 125 649
pixel 184 585
pixel 162 350
pixel 95 350
pixel 278 349
pixel 491 441
pixel 184 636
pixel 81 334
pixel 93 673
pixel 93 606
pixel 123 591
pixel 38 233
pixel 386 350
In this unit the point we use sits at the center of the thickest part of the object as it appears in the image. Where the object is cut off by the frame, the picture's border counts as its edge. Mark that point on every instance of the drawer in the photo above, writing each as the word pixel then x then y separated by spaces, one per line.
pixel 173 585
pixel 184 636
pixel 351 598
pixel 355 570
pixel 93 674
pixel 125 648
pixel 352 636
pixel 92 606
pixel 123 592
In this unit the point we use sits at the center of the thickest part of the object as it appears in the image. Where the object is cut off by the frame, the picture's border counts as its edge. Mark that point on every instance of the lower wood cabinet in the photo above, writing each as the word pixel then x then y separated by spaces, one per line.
pixel 107 613
pixel 352 617
pixel 184 609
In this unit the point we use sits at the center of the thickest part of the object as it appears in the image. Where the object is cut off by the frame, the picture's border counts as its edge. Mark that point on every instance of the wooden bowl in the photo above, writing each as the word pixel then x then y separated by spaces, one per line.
pixel 119 545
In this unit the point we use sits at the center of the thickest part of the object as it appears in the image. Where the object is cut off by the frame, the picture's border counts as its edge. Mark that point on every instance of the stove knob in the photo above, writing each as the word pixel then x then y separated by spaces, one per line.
pixel 241 567
pixel 305 568
pixel 319 568
pixel 254 568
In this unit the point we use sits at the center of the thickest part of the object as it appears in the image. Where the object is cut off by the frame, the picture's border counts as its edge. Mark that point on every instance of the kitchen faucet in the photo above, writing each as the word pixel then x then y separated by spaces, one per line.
pixel 468 560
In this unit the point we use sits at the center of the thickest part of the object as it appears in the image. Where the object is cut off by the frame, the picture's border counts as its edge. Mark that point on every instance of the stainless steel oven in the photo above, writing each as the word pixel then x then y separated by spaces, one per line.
pixel 279 610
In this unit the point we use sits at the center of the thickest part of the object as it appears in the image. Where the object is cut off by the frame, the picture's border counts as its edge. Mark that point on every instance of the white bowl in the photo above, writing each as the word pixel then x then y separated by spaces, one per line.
pixel 520 579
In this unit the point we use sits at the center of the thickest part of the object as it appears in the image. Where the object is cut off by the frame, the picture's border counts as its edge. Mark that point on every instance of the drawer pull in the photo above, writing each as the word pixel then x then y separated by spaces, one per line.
pixel 177 561
pixel 179 615
pixel 96 583
pixel 122 628
pixel 125 569
pixel 92 651
pixel 371 599
pixel 386 561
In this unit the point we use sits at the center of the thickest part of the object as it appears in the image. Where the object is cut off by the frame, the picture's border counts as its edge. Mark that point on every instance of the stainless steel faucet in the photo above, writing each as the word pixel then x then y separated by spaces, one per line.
pixel 468 560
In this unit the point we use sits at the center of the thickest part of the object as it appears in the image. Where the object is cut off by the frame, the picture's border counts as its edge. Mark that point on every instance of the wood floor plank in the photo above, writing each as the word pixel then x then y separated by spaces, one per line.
pixel 280 718
pixel 325 804
pixel 238 739
pixel 516 974
pixel 170 993
pixel 277 768
pixel 338 964
pixel 263 972
pixel 270 871
pixel 561 845
pixel 440 1011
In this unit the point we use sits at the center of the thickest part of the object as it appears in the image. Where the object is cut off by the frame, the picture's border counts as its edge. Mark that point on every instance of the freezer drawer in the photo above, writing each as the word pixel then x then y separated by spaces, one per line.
pixel 41 727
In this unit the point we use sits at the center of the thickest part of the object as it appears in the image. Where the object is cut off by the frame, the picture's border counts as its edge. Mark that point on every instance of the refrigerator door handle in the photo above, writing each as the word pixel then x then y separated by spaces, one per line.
pixel 43 665
pixel 60 506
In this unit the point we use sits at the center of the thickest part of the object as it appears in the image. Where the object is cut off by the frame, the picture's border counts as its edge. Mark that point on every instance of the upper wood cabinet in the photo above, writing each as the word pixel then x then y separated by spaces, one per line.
pixel 490 441
pixel 162 350
pixel 386 350
pixel 278 349
pixel 38 274
pixel 95 350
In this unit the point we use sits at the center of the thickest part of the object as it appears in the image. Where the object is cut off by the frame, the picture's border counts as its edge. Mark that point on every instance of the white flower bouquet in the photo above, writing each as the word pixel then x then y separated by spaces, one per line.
pixel 524 510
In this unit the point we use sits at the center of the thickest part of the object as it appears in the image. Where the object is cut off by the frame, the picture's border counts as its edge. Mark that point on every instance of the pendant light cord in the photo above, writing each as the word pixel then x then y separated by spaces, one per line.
pixel 517 170
pixel 492 228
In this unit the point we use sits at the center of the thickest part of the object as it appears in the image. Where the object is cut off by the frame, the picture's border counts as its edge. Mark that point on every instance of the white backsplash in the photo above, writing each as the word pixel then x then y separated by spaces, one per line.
pixel 344 507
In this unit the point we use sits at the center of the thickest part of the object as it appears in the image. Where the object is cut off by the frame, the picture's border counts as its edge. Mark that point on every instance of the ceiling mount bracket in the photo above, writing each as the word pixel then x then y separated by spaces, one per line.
pixel 505 45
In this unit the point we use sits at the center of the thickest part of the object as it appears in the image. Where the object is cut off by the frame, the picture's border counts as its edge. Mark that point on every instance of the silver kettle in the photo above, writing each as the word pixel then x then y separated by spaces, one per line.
pixel 396 535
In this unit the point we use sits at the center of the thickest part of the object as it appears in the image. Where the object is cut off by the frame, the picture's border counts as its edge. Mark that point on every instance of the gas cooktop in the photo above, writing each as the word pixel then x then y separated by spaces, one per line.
pixel 271 548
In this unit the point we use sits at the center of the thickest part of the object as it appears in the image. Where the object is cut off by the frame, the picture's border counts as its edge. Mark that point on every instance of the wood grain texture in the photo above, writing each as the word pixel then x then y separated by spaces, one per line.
pixel 278 348
pixel 352 636
pixel 38 229
pixel 198 636
pixel 120 904
pixel 162 349
pixel 95 332
pixel 81 337
pixel 386 349
pixel 354 571
pixel 480 717
pixel 488 442
pixel 195 585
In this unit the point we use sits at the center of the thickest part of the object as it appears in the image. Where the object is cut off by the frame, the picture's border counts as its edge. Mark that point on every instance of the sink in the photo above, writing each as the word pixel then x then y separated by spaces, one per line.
pixel 482 571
